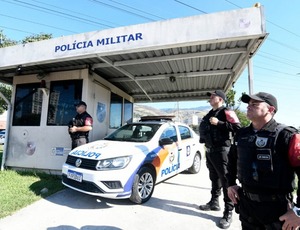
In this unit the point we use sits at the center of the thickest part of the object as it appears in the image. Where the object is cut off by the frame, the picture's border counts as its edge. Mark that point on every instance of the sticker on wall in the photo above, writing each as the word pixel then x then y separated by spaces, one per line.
pixel 60 151
pixel 30 148
pixel 101 112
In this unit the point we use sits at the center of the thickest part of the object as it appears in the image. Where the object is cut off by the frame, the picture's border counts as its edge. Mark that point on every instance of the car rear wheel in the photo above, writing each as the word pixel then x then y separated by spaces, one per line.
pixel 195 168
pixel 143 185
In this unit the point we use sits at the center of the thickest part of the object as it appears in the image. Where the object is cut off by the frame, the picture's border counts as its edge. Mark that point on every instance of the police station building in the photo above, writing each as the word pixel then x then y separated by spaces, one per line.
pixel 172 60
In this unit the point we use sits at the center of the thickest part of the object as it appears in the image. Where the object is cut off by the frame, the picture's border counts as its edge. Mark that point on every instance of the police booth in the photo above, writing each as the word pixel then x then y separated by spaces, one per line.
pixel 43 107
pixel 172 60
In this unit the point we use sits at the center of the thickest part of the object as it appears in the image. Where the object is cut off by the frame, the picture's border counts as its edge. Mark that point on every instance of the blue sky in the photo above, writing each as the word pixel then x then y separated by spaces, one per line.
pixel 276 66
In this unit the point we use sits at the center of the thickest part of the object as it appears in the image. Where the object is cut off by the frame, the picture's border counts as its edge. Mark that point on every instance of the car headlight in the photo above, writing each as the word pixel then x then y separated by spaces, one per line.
pixel 113 163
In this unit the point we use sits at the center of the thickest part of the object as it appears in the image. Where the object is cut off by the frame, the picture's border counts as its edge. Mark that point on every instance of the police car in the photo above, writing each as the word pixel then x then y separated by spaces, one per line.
pixel 2 137
pixel 131 160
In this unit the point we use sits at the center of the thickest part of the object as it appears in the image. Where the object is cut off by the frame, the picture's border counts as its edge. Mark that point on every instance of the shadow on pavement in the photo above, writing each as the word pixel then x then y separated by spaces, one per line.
pixel 77 200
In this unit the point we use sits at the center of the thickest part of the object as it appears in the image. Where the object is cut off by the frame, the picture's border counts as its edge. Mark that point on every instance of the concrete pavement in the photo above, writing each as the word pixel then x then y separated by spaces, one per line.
pixel 174 206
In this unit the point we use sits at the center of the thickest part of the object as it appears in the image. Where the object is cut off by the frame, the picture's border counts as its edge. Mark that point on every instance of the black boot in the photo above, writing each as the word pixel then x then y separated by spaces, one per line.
pixel 226 219
pixel 212 205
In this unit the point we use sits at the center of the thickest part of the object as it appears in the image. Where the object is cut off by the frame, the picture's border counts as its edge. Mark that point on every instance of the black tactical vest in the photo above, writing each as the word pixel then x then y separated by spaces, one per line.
pixel 213 136
pixel 260 167
pixel 79 121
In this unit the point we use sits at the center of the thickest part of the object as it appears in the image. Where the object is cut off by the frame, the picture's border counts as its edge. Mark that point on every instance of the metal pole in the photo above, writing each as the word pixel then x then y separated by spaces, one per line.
pixel 250 76
pixel 6 131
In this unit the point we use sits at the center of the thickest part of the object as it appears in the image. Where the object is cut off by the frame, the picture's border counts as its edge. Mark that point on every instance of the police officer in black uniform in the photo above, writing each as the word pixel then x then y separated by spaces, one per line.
pixel 216 129
pixel 261 160
pixel 80 125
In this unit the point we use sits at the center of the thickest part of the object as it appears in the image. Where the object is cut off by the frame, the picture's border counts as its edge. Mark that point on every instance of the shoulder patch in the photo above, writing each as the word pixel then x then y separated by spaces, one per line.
pixel 231 116
pixel 294 150
pixel 88 121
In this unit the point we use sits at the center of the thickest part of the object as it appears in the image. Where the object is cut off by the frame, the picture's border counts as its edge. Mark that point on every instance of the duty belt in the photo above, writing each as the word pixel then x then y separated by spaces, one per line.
pixel 78 137
pixel 264 198
pixel 220 148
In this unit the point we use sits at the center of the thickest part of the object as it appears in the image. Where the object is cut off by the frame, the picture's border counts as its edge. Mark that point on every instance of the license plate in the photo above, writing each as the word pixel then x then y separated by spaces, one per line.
pixel 74 175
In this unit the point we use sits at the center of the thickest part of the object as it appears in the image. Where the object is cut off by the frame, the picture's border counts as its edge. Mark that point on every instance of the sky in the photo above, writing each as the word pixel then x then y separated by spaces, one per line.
pixel 276 65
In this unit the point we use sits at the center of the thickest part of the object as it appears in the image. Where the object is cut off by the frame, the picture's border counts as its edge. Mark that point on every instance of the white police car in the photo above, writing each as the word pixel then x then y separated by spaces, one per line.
pixel 130 161
pixel 2 137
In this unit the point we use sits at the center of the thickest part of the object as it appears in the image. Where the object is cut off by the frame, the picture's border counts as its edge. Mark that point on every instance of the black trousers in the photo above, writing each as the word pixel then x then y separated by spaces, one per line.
pixel 256 215
pixel 79 141
pixel 216 162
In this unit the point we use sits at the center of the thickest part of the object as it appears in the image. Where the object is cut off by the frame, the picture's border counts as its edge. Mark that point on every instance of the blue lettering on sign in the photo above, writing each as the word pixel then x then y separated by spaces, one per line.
pixel 170 169
pixel 85 154
pixel 74 46
pixel 99 42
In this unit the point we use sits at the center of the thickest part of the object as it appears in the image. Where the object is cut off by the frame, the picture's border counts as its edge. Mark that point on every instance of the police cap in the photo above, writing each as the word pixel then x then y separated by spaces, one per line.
pixel 219 93
pixel 263 97
pixel 80 103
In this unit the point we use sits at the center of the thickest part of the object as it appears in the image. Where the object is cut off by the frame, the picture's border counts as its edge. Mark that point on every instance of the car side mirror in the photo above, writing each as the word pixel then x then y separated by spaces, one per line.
pixel 165 141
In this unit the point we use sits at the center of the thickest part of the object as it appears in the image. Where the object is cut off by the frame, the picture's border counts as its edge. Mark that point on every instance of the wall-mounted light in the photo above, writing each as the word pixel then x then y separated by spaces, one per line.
pixel 19 69
pixel 172 79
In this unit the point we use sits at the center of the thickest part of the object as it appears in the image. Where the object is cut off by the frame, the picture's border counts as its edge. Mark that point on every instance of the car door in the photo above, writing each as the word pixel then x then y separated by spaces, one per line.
pixel 168 163
pixel 186 145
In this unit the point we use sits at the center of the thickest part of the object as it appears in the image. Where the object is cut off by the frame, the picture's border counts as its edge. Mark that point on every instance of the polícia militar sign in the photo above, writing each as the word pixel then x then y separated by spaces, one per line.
pixel 99 42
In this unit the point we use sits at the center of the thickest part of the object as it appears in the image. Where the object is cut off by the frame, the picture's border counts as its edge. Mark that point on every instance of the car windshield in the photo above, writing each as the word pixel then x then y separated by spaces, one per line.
pixel 134 133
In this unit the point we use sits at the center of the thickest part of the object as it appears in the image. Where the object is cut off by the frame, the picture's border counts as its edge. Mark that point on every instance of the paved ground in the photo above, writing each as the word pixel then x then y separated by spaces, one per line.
pixel 174 206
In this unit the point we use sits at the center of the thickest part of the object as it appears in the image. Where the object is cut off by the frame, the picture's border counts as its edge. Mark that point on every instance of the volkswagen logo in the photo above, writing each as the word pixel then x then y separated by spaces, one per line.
pixel 78 162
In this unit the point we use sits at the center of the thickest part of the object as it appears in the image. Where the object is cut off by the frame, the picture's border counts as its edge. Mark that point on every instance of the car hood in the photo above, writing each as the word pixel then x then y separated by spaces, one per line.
pixel 104 149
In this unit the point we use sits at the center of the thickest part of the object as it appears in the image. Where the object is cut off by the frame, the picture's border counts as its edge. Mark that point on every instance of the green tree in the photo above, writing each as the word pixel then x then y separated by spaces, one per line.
pixel 6 91
pixel 37 37
pixel 230 102
pixel 243 118
pixel 4 41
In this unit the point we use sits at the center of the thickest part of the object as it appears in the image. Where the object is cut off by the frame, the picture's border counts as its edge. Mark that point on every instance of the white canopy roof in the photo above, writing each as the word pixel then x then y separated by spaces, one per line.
pixel 178 59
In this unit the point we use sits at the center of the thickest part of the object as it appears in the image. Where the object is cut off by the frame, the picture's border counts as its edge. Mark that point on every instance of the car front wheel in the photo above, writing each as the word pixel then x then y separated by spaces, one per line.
pixel 143 185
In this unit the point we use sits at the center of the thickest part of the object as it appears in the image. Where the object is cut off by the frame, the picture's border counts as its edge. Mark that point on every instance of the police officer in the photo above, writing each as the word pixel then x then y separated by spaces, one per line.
pixel 215 131
pixel 80 125
pixel 263 162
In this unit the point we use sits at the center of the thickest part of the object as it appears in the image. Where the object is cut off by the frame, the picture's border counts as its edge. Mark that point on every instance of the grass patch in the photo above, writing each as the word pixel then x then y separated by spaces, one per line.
pixel 21 188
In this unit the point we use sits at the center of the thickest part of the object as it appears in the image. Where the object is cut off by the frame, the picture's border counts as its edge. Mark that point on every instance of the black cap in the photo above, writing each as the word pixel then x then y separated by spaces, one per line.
pixel 263 97
pixel 219 93
pixel 80 103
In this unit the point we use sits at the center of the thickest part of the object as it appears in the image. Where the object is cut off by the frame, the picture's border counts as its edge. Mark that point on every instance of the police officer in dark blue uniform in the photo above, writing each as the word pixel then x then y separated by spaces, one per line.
pixel 80 125
pixel 265 159
pixel 216 129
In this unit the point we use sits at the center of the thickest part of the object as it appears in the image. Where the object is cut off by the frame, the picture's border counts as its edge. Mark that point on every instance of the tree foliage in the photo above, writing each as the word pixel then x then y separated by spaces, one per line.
pixel 243 118
pixel 230 102
pixel 5 41
pixel 6 91
pixel 35 38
